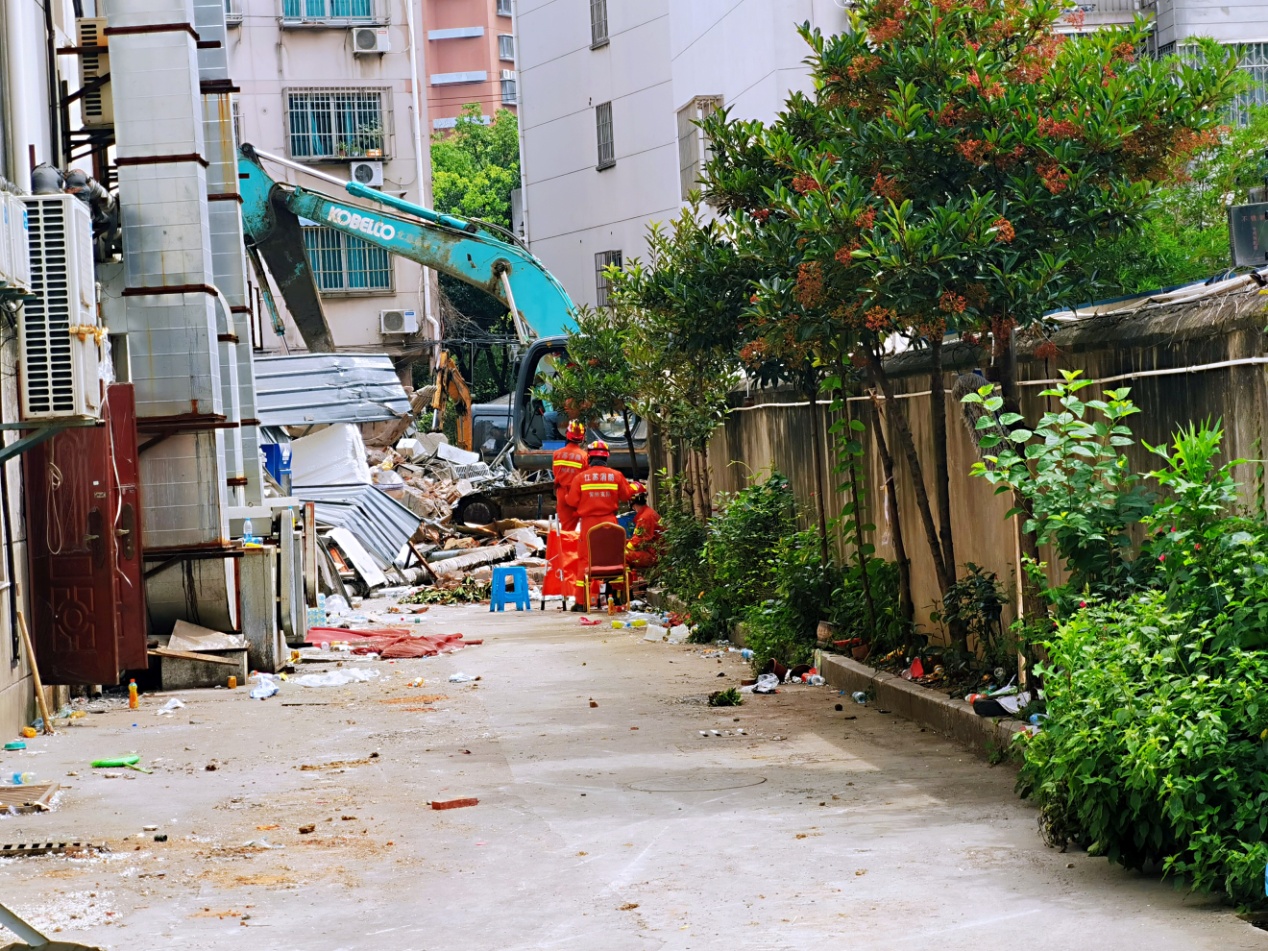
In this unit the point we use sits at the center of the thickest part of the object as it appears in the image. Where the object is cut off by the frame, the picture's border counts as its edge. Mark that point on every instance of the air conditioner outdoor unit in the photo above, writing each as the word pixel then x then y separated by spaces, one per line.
pixel 98 105
pixel 398 322
pixel 366 173
pixel 58 332
pixel 371 39
pixel 15 257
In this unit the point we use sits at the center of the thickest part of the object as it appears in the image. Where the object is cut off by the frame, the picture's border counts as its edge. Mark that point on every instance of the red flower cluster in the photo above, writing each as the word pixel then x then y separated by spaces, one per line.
pixel 761 215
pixel 878 319
pixel 887 187
pixel 1058 128
pixel 952 303
pixel 1046 350
pixel 805 183
pixel 861 65
pixel 1004 231
pixel 1054 177
pixel 845 254
pixel 950 115
pixel 975 151
pixel 809 291
pixel 866 220
pixel 989 90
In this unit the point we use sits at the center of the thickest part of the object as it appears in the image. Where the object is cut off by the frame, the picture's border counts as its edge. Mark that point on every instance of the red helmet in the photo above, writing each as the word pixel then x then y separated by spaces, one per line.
pixel 599 449
pixel 638 493
pixel 576 431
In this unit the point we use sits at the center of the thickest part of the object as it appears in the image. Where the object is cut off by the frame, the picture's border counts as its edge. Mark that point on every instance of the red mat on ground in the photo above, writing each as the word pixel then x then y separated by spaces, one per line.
pixel 392 643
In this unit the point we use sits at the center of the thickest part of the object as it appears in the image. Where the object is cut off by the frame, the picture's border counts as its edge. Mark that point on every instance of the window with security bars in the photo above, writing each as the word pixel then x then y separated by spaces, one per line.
pixel 235 110
pixel 506 46
pixel 598 22
pixel 693 144
pixel 603 131
pixel 343 264
pixel 602 285
pixel 337 123
pixel 510 92
pixel 1254 63
pixel 504 8
pixel 329 11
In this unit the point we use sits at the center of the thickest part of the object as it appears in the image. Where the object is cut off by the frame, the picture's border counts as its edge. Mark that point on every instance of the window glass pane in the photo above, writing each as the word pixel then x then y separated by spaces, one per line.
pixel 342 262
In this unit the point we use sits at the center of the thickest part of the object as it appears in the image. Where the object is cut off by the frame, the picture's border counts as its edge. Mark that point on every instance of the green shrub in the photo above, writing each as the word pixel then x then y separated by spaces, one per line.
pixel 1155 751
pixel 848 610
pixel 784 627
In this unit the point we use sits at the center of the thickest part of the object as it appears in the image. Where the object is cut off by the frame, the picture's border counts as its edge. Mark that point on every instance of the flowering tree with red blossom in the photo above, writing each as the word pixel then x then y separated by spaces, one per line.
pixel 952 159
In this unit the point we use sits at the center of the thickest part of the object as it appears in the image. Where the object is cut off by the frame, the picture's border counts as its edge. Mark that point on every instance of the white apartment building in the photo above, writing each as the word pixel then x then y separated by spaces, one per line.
pixel 334 84
pixel 608 89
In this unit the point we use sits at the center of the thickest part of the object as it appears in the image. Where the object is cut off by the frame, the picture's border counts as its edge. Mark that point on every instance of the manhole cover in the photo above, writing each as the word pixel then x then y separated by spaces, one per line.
pixel 704 783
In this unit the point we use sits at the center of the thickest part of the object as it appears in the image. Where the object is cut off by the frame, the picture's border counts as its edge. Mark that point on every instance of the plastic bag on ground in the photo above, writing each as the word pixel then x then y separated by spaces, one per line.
pixel 170 707
pixel 265 687
pixel 766 683
pixel 460 678
pixel 679 634
pixel 335 678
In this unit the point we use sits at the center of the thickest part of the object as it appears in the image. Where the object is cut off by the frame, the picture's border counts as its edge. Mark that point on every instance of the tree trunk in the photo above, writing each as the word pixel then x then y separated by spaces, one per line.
pixel 706 484
pixel 863 559
pixel 908 442
pixel 906 604
pixel 942 478
pixel 941 465
pixel 821 502
pixel 629 441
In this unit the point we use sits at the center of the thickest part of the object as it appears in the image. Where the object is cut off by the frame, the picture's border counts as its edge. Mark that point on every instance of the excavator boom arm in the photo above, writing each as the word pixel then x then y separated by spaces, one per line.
pixel 271 213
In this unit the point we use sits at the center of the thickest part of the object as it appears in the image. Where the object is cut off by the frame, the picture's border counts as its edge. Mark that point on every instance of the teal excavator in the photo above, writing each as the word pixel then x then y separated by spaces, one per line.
pixel 475 252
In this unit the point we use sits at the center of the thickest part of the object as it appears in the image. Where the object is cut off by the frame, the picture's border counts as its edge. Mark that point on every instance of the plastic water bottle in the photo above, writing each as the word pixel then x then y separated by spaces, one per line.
pixel 859 697
pixel 133 700
pixel 23 779
pixel 746 653
pixel 248 535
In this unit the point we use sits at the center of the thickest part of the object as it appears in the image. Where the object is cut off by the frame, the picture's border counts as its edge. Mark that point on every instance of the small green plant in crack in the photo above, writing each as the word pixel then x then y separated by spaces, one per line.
pixel 730 697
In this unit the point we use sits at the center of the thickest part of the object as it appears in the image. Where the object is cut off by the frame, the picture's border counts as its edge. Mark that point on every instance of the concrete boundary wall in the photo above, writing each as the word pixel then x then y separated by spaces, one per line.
pixel 775 430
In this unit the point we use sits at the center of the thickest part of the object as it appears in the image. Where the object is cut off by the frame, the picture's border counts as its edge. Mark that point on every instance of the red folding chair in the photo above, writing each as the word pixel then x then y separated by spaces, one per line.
pixel 606 545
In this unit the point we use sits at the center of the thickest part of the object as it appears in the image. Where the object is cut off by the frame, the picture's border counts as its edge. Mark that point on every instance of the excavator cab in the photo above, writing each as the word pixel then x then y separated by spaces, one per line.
pixel 540 424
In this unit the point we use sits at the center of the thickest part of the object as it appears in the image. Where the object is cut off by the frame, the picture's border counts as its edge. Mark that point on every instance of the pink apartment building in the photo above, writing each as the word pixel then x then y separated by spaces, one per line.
pixel 470 57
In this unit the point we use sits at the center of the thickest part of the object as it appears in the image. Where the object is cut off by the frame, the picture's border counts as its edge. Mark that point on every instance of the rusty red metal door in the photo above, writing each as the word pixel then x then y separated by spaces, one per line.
pixel 87 599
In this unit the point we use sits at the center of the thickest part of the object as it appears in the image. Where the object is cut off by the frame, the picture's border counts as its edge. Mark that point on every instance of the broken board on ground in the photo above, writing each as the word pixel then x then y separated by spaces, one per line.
pixel 33 797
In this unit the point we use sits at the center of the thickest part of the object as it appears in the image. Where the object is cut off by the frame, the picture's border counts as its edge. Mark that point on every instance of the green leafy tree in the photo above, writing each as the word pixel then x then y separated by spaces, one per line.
pixel 684 309
pixel 952 158
pixel 475 167
pixel 597 381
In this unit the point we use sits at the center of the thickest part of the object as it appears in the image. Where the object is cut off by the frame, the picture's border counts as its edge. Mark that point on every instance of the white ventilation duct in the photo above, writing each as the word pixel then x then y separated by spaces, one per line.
pixel 170 294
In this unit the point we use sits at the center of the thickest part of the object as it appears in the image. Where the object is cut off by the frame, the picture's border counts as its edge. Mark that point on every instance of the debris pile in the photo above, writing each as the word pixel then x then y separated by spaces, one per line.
pixel 420 513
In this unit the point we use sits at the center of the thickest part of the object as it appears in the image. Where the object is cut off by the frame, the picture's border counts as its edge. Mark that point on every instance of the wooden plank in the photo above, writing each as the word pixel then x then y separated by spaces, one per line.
pixel 191 655
pixel 45 848
pixel 34 797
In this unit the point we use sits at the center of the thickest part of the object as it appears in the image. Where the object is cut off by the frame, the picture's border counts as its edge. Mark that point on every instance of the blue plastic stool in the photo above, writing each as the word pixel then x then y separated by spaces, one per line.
pixel 516 594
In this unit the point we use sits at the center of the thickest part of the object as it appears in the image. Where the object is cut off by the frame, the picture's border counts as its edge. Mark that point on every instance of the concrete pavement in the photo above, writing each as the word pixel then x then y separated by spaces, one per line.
pixel 609 827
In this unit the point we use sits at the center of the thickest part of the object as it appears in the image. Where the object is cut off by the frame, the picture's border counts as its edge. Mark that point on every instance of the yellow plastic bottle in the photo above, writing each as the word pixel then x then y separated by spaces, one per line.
pixel 133 700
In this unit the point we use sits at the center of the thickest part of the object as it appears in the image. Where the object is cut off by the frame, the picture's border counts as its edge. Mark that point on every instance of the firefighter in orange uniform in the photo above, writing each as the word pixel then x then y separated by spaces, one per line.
pixel 568 463
pixel 643 548
pixel 596 493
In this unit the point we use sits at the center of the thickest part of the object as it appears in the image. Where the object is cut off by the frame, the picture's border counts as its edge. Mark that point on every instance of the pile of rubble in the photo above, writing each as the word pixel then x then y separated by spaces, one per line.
pixel 420 512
